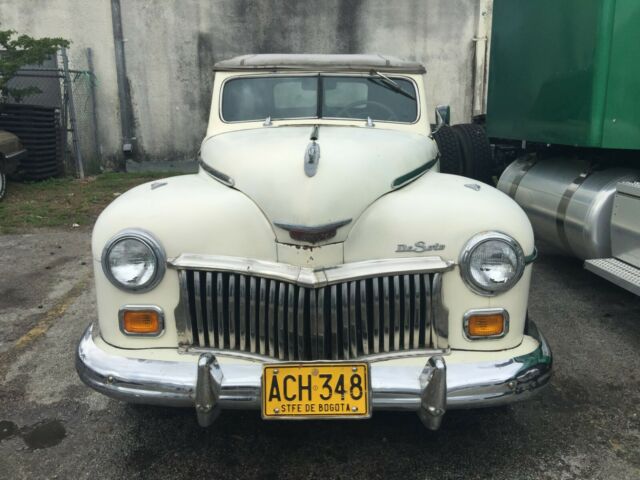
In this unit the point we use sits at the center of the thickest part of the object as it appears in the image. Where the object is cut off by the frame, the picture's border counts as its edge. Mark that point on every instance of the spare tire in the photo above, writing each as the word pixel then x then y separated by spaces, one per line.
pixel 476 152
pixel 450 152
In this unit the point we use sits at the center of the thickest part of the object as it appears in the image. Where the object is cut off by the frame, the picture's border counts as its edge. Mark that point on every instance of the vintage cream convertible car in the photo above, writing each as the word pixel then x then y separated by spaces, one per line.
pixel 318 265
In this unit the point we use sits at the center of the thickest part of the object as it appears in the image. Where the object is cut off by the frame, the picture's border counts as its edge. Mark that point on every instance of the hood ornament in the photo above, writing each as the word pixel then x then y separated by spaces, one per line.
pixel 312 154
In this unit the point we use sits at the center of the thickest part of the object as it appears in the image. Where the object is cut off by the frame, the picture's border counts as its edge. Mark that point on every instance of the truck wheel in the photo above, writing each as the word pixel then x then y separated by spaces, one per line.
pixel 450 152
pixel 3 185
pixel 476 152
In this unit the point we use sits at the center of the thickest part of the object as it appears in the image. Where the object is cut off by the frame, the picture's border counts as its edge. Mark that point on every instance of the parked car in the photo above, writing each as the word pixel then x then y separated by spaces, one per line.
pixel 11 151
pixel 318 265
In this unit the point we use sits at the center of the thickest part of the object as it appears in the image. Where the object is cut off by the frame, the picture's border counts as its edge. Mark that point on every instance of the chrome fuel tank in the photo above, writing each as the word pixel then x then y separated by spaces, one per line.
pixel 568 203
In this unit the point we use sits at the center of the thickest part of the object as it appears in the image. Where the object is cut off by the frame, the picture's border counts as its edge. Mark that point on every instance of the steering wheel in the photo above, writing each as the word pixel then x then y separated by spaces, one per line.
pixel 391 115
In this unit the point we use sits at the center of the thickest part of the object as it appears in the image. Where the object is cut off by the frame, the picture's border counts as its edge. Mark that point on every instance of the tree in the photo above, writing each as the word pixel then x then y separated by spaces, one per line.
pixel 18 51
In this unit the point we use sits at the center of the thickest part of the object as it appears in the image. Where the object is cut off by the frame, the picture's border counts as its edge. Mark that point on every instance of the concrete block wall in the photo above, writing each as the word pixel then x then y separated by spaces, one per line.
pixel 170 48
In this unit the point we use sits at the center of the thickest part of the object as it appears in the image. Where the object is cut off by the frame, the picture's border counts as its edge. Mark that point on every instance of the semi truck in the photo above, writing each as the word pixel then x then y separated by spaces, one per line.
pixel 563 123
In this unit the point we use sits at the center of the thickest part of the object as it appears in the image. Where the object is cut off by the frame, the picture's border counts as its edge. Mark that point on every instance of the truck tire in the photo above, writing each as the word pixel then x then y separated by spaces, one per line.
pixel 476 152
pixel 450 152
pixel 3 185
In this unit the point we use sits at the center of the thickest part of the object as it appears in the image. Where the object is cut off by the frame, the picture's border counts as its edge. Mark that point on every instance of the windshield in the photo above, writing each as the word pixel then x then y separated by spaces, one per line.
pixel 319 96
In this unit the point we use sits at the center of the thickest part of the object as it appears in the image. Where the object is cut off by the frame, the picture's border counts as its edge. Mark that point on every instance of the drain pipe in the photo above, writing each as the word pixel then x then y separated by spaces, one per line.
pixel 124 93
pixel 481 41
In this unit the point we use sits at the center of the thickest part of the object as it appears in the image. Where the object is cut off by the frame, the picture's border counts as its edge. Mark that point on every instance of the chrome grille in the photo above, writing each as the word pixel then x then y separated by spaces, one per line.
pixel 286 321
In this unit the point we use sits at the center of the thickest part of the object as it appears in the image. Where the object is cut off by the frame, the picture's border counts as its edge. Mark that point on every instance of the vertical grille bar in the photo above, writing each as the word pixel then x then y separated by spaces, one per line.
pixel 262 289
pixel 253 318
pixel 406 313
pixel 219 309
pixel 183 319
pixel 291 321
pixel 364 317
pixel 301 329
pixel 231 302
pixel 323 316
pixel 344 300
pixel 313 323
pixel 198 304
pixel 334 322
pixel 272 323
pixel 377 305
pixel 353 330
pixel 242 314
pixel 386 312
pixel 396 313
pixel 416 280
pixel 281 323
pixel 210 310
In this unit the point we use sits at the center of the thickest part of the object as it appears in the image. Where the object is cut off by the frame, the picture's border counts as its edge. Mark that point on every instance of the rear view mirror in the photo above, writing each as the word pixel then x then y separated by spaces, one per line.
pixel 443 117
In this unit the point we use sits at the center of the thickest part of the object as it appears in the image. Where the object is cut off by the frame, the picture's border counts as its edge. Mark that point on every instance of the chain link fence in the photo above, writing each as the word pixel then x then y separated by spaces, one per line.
pixel 70 95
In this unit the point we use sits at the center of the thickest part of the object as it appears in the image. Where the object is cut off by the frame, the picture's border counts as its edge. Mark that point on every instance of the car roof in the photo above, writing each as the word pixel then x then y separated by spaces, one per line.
pixel 319 62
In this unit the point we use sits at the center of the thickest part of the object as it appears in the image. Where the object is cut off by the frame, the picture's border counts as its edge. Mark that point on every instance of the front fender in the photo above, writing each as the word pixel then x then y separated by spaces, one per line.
pixel 445 211
pixel 190 213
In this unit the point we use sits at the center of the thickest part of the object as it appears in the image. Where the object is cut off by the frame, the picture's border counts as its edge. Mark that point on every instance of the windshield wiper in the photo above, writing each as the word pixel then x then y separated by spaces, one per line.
pixel 390 84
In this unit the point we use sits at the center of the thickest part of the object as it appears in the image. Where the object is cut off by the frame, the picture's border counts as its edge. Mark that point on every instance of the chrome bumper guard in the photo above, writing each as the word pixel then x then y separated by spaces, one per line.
pixel 211 387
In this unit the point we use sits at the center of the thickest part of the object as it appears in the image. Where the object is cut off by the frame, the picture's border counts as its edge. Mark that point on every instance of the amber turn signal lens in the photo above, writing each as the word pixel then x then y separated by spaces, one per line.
pixel 487 325
pixel 139 322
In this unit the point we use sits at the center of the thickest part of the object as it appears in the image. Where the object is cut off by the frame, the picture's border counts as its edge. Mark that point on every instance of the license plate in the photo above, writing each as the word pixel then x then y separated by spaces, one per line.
pixel 315 390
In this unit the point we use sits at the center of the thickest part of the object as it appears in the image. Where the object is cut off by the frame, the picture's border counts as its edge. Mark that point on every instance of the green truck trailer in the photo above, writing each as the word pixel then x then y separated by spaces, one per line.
pixel 564 102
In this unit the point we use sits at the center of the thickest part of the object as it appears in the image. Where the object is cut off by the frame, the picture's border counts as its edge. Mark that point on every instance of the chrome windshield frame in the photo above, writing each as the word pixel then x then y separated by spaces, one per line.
pixel 315 117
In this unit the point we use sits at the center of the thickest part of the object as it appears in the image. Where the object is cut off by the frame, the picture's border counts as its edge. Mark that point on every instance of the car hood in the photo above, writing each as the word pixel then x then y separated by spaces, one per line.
pixel 316 204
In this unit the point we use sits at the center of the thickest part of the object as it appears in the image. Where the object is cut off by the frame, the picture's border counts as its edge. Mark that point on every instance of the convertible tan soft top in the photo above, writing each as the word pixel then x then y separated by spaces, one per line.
pixel 315 62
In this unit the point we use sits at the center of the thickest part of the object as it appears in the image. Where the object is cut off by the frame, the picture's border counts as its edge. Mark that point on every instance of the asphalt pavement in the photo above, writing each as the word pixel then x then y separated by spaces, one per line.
pixel 586 424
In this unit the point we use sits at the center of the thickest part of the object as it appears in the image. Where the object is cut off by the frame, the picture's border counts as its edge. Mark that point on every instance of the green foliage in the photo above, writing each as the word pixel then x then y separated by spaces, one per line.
pixel 21 50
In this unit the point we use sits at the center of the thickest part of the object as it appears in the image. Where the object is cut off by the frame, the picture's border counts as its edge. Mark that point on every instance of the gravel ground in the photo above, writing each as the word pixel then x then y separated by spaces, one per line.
pixel 586 424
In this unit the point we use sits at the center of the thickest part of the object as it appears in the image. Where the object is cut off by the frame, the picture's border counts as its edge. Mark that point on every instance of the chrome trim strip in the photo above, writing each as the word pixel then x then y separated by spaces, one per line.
pixel 485 311
pixel 563 206
pixel 325 73
pixel 140 308
pixel 310 277
pixel 11 156
pixel 216 174
pixel 529 259
pixel 173 383
pixel 465 262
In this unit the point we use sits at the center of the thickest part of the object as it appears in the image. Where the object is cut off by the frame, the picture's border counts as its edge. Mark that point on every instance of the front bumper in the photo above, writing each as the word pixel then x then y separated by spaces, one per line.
pixel 426 385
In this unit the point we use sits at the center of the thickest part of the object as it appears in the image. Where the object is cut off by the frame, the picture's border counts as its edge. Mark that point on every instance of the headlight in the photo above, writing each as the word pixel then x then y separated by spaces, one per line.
pixel 491 263
pixel 133 260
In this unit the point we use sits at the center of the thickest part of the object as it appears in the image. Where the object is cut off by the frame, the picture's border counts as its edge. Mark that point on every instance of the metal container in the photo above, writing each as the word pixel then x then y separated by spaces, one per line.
pixel 565 72
pixel 568 203
pixel 625 224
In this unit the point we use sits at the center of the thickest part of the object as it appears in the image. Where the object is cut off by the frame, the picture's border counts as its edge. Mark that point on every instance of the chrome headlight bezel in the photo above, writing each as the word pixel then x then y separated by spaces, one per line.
pixel 149 241
pixel 465 263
